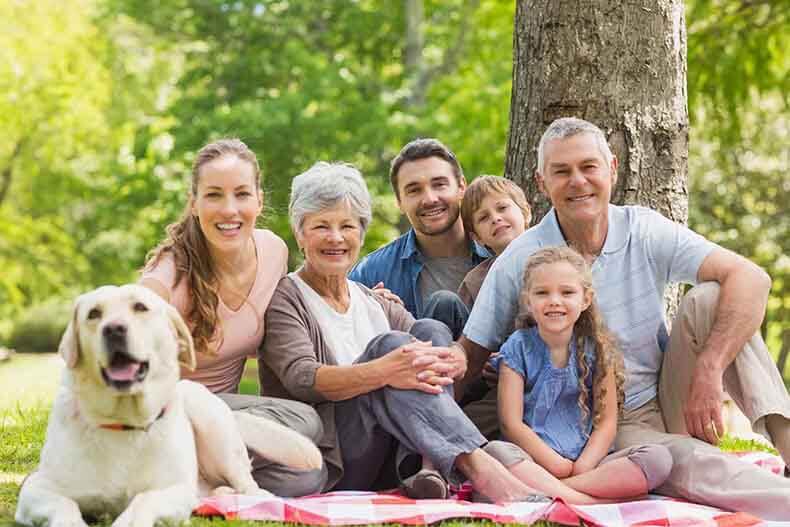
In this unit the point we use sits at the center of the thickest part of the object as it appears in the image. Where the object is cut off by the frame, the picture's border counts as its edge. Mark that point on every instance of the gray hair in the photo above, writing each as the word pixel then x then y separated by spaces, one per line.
pixel 565 127
pixel 325 185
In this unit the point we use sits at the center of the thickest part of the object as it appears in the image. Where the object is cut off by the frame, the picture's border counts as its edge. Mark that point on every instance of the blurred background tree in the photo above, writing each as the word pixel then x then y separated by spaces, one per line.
pixel 739 148
pixel 104 102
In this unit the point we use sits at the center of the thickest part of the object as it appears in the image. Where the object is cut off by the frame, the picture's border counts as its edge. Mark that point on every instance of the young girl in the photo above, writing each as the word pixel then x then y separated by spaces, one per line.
pixel 561 384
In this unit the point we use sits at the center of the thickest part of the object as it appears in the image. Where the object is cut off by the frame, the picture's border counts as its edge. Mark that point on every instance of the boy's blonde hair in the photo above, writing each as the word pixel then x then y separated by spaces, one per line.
pixel 608 358
pixel 485 185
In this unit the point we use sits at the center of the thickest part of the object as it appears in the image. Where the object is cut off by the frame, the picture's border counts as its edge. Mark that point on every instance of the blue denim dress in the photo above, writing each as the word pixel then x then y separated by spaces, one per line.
pixel 551 395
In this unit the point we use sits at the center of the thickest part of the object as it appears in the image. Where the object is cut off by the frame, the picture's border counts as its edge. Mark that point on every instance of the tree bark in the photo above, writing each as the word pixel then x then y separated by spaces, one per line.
pixel 620 65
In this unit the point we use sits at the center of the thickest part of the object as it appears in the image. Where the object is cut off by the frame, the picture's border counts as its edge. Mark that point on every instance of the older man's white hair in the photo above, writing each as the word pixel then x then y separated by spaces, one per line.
pixel 568 127
pixel 324 186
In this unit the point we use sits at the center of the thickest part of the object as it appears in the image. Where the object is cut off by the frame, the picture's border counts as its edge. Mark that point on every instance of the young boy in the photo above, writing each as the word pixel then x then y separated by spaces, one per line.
pixel 494 212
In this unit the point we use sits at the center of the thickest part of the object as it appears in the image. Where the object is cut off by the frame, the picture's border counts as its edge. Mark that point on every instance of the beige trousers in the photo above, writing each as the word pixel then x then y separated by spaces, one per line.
pixel 701 472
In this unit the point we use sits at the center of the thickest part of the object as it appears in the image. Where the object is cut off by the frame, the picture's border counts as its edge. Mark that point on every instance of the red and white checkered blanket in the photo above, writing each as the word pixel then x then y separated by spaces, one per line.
pixel 355 508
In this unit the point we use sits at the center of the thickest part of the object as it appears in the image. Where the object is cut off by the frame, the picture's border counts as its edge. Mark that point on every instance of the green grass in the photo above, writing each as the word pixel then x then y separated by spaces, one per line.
pixel 736 444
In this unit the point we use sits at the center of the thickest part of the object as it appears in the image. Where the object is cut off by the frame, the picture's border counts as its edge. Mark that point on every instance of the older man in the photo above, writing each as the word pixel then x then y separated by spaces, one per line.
pixel 675 383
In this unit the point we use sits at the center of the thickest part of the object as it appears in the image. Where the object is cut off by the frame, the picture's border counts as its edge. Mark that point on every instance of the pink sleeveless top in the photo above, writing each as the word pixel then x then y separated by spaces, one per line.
pixel 242 330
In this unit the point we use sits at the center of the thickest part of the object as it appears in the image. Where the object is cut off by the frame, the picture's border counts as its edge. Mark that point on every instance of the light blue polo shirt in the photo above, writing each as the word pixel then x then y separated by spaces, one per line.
pixel 643 252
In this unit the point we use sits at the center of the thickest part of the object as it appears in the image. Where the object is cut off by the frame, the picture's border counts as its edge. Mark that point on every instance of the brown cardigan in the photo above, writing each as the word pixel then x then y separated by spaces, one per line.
pixel 292 351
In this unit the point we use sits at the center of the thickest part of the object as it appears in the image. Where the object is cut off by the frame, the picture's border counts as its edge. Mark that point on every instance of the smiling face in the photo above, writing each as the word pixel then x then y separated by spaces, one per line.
pixel 429 194
pixel 577 179
pixel 125 338
pixel 330 240
pixel 497 222
pixel 556 298
pixel 227 203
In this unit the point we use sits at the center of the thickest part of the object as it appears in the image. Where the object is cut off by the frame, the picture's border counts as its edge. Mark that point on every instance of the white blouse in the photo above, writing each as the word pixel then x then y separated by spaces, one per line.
pixel 347 334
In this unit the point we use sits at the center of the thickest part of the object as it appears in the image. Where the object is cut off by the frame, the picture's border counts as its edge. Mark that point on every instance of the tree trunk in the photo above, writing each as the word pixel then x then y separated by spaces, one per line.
pixel 619 65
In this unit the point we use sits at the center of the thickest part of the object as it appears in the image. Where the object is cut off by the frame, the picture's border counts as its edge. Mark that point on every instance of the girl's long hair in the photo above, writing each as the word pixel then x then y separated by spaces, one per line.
pixel 608 358
pixel 187 243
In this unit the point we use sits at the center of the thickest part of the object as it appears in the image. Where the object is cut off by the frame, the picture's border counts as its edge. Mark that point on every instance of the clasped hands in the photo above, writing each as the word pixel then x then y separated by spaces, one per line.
pixel 562 467
pixel 419 365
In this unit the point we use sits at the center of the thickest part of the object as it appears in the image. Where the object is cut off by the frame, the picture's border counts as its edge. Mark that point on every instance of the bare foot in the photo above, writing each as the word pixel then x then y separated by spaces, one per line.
pixel 490 478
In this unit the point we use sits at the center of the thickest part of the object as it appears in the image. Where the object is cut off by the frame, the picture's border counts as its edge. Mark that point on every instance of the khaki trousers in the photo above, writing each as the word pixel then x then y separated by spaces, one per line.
pixel 701 472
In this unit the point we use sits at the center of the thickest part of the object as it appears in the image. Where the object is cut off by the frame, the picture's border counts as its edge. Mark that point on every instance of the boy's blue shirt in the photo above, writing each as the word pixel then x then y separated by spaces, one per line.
pixel 398 265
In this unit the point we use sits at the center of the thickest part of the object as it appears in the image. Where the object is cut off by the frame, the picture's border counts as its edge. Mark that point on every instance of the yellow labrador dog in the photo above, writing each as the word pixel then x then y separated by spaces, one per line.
pixel 127 438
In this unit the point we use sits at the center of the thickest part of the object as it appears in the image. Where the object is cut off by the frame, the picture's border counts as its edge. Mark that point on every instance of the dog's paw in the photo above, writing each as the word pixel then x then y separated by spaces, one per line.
pixel 222 491
pixel 262 493
pixel 129 519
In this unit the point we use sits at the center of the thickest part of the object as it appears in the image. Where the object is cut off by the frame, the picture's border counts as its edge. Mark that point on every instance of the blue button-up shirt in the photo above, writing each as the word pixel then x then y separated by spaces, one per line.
pixel 398 265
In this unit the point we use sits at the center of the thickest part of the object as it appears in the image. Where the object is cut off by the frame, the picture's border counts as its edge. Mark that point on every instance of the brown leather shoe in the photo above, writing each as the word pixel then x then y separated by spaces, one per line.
pixel 427 484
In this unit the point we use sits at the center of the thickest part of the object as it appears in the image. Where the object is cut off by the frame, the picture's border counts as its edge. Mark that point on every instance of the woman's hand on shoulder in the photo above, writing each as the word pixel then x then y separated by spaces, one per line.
pixel 416 366
pixel 385 293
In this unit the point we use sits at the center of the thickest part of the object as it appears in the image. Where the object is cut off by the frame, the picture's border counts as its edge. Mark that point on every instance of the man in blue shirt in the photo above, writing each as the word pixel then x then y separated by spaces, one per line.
pixel 675 381
pixel 425 266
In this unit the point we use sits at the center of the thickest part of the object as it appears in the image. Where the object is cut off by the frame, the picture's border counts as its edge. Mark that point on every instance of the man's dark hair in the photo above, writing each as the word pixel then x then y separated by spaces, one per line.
pixel 423 149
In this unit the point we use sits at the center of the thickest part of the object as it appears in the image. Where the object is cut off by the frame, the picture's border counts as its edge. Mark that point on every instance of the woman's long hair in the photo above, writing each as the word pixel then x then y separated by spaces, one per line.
pixel 608 358
pixel 187 243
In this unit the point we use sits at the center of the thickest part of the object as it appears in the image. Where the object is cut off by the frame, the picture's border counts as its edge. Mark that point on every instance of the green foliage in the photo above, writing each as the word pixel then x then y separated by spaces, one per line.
pixel 39 328
pixel 75 98
pixel 737 197
pixel 739 86
pixel 736 48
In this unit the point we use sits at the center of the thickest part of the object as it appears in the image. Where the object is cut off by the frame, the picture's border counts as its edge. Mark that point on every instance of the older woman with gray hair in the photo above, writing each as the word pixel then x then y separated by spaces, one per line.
pixel 379 380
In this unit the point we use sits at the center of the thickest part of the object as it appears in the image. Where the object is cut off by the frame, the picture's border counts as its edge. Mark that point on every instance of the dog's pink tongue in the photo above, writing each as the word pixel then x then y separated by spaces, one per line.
pixel 123 373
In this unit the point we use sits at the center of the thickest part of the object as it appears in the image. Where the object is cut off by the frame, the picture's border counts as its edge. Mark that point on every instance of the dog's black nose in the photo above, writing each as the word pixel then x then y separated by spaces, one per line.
pixel 114 331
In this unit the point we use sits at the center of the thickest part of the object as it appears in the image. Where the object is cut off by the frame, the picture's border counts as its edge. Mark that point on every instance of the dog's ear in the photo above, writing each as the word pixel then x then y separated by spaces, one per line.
pixel 186 350
pixel 69 347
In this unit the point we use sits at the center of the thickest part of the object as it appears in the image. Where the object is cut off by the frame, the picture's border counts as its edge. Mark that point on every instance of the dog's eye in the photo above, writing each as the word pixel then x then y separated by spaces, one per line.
pixel 140 307
pixel 94 313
